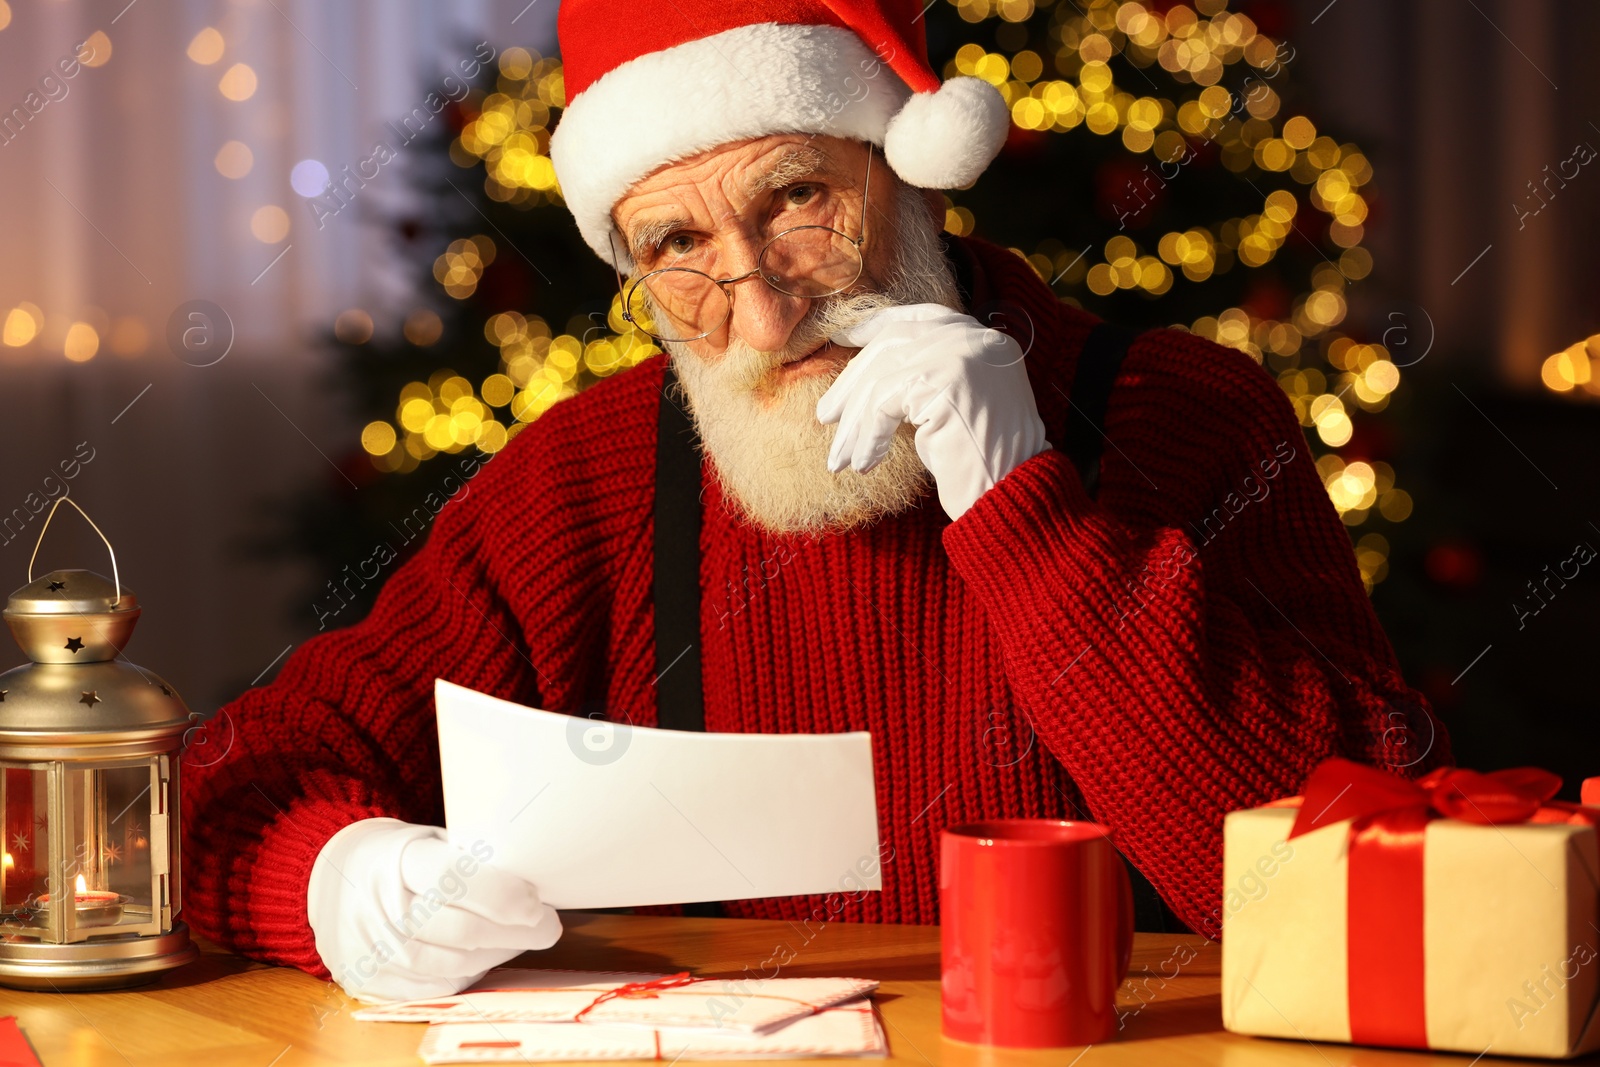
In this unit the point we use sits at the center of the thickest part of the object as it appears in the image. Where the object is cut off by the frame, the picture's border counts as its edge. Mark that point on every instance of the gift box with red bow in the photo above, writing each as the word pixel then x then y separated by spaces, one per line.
pixel 1457 912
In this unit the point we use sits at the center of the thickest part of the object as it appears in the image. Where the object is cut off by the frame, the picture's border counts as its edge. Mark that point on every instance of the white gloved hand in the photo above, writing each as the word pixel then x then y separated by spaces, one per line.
pixel 962 385
pixel 400 913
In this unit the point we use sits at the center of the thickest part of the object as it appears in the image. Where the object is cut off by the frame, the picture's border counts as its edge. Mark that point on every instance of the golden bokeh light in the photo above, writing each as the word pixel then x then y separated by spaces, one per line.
pixel 415 413
pixel 96 51
pixel 497 390
pixel 81 343
pixel 516 63
pixel 234 159
pixel 238 82
pixel 206 47
pixel 1027 66
pixel 269 224
pixel 378 438
pixel 22 324
pixel 1567 369
pixel 1298 132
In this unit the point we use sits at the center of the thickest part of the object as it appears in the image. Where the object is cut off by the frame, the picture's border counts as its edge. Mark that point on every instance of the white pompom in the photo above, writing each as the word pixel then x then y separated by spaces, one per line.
pixel 945 139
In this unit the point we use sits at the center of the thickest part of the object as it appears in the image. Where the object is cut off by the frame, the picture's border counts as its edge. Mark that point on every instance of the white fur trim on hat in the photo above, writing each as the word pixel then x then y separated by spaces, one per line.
pixel 732 86
pixel 945 139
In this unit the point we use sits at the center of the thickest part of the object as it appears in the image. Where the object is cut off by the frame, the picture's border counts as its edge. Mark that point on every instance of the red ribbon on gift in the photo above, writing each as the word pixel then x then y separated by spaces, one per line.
pixel 1385 911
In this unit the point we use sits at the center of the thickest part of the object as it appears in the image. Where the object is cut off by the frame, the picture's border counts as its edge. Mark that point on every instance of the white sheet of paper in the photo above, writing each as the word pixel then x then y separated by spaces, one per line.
pixel 602 815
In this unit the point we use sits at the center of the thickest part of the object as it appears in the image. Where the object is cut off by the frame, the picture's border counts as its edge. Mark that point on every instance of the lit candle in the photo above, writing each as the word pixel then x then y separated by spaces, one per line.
pixel 91 907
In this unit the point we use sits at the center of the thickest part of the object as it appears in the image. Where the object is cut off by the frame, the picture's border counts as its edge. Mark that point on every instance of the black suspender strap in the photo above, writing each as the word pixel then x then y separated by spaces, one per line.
pixel 680 704
pixel 676 588
pixel 1083 435
pixel 679 701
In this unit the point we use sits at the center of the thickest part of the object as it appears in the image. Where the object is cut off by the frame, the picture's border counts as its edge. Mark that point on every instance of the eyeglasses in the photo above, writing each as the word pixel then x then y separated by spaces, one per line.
pixel 674 304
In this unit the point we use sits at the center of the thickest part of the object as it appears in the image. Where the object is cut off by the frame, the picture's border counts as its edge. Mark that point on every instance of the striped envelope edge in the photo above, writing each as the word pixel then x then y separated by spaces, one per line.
pixel 849 1030
pixel 510 994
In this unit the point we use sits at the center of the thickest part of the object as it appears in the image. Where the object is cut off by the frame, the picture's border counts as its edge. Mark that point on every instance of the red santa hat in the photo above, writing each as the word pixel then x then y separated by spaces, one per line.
pixel 649 83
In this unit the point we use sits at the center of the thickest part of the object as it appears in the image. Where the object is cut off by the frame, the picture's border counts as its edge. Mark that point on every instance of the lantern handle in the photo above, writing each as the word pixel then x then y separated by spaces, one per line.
pixel 116 580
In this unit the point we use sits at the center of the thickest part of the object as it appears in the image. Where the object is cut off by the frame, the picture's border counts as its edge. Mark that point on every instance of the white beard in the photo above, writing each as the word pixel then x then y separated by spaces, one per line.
pixel 768 449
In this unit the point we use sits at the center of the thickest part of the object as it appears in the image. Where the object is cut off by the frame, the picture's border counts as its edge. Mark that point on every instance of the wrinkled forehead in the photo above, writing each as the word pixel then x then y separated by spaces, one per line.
pixel 728 178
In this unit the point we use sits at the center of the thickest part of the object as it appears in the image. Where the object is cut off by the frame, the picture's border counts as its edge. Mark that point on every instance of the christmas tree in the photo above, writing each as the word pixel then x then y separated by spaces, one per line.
pixel 1160 171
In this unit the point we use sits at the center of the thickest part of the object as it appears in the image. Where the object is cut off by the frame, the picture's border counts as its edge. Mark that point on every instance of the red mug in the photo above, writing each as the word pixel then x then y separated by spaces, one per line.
pixel 1036 932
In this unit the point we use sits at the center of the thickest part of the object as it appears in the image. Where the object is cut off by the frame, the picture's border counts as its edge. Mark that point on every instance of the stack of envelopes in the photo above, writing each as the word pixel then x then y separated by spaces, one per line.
pixel 515 1016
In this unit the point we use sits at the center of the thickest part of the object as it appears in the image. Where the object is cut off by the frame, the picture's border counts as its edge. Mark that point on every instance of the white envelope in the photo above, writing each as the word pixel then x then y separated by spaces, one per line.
pixel 513 994
pixel 850 1030
pixel 601 815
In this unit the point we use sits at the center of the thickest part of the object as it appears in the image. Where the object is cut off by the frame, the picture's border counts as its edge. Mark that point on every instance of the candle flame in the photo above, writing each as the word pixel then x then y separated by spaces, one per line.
pixel 82 886
pixel 8 861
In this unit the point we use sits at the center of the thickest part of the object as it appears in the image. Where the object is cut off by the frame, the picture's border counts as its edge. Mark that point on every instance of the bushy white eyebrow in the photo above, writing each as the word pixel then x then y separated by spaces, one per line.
pixel 799 161
pixel 650 234
pixel 796 163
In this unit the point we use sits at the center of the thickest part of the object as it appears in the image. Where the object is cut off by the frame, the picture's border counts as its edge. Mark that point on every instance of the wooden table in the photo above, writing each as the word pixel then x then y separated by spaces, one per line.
pixel 224 1010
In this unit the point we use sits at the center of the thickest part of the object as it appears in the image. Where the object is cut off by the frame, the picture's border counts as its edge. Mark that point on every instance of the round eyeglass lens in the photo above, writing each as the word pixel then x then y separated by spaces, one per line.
pixel 678 304
pixel 811 261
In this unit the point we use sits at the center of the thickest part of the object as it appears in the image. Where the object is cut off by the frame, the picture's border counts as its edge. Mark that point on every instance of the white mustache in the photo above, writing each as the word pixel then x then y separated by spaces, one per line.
pixel 827 316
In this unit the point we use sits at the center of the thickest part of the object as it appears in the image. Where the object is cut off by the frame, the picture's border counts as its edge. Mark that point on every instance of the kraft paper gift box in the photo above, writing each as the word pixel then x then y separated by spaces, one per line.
pixel 1455 913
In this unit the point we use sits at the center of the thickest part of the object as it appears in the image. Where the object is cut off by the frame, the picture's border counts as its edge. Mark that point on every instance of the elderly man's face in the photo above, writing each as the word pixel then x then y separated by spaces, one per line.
pixel 753 383
pixel 718 209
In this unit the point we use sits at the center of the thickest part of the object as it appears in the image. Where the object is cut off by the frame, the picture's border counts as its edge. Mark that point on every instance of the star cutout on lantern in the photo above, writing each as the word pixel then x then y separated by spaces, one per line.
pixel 91 698
pixel 113 854
pixel 41 821
pixel 19 842
pixel 55 586
pixel 166 690
pixel 134 827
pixel 74 644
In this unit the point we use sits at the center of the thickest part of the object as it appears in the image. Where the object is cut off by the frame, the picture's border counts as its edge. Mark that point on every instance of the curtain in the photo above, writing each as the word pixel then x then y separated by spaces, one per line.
pixel 118 213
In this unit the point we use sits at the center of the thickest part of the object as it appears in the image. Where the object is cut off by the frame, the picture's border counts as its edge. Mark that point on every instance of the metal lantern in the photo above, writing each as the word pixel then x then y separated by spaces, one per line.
pixel 89 751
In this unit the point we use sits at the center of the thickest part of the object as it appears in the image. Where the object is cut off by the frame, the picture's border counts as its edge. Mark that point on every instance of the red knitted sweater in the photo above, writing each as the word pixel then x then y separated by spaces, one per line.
pixel 1193 640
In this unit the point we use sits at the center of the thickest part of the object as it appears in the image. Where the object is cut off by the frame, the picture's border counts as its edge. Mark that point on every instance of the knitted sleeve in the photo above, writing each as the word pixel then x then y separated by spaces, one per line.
pixel 1197 638
pixel 345 732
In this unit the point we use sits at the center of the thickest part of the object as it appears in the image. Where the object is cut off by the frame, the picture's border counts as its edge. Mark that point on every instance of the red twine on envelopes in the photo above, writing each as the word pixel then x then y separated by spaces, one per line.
pixel 668 984
pixel 1386 951
pixel 638 991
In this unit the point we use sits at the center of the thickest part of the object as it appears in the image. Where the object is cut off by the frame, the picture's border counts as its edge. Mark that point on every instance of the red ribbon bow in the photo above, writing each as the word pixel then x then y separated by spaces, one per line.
pixel 1385 893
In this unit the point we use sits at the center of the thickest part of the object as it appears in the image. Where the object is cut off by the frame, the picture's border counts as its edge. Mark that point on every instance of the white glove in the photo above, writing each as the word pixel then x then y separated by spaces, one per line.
pixel 962 385
pixel 399 913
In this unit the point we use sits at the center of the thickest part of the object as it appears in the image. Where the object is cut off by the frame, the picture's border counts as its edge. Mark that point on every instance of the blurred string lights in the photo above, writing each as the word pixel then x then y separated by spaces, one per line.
pixel 1311 189
pixel 1284 158
pixel 80 337
pixel 1325 373
pixel 268 223
pixel 1574 369
pixel 77 337
pixel 507 134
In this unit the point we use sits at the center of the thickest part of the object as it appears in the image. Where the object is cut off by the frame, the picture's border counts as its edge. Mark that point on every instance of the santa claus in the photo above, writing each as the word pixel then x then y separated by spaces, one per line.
pixel 879 479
